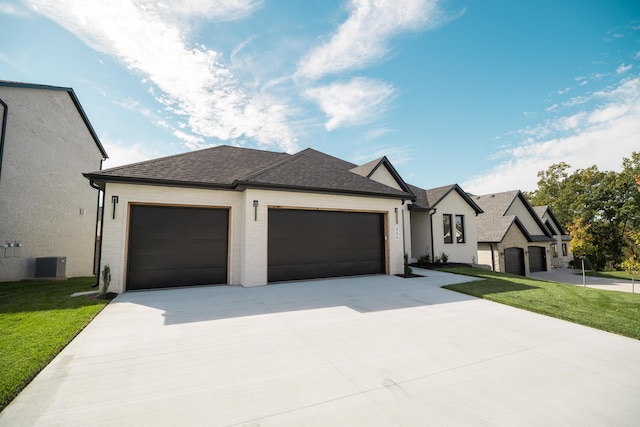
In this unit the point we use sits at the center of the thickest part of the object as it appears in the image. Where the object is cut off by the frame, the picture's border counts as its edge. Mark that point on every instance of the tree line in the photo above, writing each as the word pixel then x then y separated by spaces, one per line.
pixel 599 209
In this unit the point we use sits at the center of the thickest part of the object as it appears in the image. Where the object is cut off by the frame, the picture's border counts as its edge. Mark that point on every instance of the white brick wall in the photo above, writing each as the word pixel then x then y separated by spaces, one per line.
pixel 42 190
pixel 248 236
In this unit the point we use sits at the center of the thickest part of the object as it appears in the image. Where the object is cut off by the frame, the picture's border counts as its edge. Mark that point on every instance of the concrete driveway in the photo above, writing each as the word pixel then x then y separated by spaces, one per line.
pixel 574 277
pixel 369 351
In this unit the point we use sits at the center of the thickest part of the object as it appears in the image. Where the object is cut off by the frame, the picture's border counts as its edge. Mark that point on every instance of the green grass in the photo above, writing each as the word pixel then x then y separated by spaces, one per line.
pixel 37 320
pixel 610 274
pixel 617 312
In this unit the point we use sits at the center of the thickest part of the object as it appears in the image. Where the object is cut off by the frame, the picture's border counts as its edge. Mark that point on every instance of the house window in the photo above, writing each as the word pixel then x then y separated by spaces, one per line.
pixel 459 228
pixel 564 250
pixel 554 250
pixel 448 232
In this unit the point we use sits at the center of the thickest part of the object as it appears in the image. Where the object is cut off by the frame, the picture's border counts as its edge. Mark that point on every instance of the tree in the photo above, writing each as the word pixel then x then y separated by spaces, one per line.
pixel 608 202
pixel 632 266
pixel 581 242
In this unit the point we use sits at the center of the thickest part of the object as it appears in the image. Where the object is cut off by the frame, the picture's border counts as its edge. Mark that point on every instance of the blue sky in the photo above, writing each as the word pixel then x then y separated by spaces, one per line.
pixel 481 93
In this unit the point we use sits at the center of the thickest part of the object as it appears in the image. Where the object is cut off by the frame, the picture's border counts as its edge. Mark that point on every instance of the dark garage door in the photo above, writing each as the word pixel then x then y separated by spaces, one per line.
pixel 313 244
pixel 537 259
pixel 176 246
pixel 514 261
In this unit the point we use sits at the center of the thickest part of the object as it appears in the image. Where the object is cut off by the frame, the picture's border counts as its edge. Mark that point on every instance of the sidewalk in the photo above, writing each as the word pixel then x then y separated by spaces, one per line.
pixel 574 277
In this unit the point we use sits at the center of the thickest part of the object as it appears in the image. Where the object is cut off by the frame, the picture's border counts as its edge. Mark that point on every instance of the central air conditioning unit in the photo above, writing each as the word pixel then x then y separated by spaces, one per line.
pixel 54 266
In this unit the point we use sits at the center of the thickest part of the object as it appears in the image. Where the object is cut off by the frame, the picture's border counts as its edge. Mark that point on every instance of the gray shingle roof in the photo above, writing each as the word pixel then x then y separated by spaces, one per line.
pixel 428 199
pixel 234 167
pixel 493 224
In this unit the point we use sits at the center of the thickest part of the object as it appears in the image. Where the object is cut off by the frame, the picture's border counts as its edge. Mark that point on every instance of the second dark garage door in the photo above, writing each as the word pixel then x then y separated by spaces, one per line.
pixel 537 259
pixel 305 244
pixel 176 246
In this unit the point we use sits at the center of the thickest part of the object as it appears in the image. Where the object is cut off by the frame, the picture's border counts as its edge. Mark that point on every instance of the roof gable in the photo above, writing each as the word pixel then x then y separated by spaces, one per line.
pixel 429 199
pixel 545 213
pixel 382 171
pixel 74 98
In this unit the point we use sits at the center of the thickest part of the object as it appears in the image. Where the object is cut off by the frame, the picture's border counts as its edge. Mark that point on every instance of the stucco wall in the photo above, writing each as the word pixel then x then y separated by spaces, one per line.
pixel 42 190
pixel 420 234
pixel 518 209
pixel 383 176
pixel 248 235
pixel 465 252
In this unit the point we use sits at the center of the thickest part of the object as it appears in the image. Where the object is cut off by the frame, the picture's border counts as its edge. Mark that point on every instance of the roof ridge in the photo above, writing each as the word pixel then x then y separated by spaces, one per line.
pixel 267 168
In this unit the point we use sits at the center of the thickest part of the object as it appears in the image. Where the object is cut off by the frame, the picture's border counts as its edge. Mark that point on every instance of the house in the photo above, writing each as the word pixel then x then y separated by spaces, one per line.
pixel 560 255
pixel 229 215
pixel 238 216
pixel 47 210
pixel 443 221
pixel 511 236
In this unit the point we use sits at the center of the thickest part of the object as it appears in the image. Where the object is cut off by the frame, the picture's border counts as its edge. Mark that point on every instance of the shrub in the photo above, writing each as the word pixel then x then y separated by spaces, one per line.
pixel 444 257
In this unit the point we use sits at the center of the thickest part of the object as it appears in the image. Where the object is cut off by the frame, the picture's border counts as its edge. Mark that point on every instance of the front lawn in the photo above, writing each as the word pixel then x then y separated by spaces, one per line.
pixel 37 320
pixel 617 312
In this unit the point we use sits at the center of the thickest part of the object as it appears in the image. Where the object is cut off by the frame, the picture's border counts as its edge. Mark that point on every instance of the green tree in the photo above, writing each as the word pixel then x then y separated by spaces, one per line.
pixel 608 202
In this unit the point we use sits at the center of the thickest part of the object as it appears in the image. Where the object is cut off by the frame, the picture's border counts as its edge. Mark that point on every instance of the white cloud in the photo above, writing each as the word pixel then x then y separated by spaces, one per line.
pixel 7 8
pixel 623 68
pixel 192 79
pixel 397 154
pixel 356 102
pixel 601 135
pixel 123 154
pixel 364 37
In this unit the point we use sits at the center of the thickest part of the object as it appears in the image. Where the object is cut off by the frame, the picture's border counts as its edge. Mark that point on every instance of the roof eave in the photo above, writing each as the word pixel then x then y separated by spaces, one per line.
pixel 322 190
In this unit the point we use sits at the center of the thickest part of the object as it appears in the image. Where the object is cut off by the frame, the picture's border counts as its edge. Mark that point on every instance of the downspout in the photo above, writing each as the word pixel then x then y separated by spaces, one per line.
pixel 5 112
pixel 101 221
pixel 433 254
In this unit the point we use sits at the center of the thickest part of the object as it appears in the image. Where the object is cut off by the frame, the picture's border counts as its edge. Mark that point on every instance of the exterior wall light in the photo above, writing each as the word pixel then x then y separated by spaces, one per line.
pixel 114 202
pixel 255 210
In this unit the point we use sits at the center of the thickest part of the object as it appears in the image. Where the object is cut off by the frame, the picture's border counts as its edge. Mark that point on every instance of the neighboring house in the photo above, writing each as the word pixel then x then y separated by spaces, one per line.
pixel 47 210
pixel 229 215
pixel 560 255
pixel 443 221
pixel 511 236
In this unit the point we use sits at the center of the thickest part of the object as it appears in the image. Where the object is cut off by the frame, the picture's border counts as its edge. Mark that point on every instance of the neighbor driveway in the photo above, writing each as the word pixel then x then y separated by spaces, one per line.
pixel 574 277
pixel 376 350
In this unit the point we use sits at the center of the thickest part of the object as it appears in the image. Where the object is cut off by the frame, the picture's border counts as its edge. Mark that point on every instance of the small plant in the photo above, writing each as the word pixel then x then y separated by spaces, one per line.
pixel 407 268
pixel 437 260
pixel 106 279
pixel 473 260
pixel 444 257
pixel 424 259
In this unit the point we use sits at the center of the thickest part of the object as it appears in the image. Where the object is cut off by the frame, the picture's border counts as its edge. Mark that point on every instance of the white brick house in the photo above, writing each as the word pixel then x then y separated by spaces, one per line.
pixel 246 217
pixel 46 207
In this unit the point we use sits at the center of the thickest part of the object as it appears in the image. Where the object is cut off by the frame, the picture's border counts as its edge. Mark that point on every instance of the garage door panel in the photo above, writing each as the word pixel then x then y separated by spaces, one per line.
pixel 176 246
pixel 314 244
pixel 152 279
